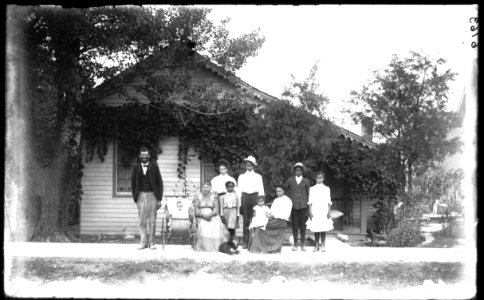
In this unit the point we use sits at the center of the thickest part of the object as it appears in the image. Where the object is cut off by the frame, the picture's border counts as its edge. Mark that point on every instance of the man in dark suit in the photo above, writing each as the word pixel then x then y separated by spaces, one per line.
pixel 147 190
pixel 297 188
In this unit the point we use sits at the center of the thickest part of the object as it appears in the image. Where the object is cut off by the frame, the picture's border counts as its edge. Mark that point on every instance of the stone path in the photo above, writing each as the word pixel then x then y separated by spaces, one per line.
pixel 335 251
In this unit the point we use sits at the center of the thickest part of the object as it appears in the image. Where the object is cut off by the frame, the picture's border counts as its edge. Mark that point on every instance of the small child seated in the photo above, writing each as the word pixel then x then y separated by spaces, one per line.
pixel 260 216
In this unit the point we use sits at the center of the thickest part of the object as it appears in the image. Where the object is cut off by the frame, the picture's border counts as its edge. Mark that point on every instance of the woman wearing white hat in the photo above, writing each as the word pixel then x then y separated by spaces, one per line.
pixel 250 187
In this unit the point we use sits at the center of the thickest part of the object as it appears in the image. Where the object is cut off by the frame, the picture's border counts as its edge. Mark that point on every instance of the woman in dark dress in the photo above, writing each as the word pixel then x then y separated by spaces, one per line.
pixel 271 239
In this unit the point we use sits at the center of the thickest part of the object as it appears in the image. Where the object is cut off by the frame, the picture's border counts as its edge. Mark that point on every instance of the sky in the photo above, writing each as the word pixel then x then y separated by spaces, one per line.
pixel 347 42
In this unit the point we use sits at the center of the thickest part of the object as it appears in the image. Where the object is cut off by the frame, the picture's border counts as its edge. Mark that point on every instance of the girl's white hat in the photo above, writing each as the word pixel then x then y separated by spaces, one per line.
pixel 251 159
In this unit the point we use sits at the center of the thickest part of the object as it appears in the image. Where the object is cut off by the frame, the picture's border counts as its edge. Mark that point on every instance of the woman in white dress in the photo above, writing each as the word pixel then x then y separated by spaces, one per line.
pixel 319 211
pixel 210 232
pixel 219 181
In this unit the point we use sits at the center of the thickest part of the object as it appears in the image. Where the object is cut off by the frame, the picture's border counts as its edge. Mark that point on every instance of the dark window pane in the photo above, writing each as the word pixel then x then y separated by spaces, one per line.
pixel 208 171
pixel 123 178
pixel 123 173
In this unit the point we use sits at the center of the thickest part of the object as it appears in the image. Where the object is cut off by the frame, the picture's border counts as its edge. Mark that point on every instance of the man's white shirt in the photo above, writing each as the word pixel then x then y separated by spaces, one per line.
pixel 250 182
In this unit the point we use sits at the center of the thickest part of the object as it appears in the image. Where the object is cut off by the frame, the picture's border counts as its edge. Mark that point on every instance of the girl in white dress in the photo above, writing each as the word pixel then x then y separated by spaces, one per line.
pixel 261 214
pixel 319 211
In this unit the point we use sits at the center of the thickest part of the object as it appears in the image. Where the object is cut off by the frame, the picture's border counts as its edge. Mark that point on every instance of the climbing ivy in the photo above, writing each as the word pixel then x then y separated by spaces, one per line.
pixel 132 125
pixel 195 123
pixel 222 125
pixel 369 174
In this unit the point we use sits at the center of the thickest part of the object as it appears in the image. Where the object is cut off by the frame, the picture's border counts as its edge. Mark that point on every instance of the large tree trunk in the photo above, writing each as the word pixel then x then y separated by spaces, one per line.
pixel 38 191
pixel 61 175
pixel 16 225
pixel 52 190
pixel 38 185
pixel 400 169
pixel 410 176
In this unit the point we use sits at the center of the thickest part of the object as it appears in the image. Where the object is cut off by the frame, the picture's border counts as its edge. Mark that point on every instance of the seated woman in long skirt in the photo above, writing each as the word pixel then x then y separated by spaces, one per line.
pixel 271 239
pixel 210 232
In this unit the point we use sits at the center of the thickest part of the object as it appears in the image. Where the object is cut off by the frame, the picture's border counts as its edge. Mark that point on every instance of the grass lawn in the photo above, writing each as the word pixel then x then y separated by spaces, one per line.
pixel 375 275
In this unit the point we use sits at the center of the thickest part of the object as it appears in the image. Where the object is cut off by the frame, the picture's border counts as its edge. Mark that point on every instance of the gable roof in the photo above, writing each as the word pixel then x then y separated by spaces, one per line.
pixel 357 138
pixel 238 82
pixel 264 97
pixel 208 65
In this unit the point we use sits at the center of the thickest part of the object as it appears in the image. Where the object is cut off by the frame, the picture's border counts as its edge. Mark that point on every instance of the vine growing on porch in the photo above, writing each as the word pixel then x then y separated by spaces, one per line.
pixel 209 134
pixel 368 173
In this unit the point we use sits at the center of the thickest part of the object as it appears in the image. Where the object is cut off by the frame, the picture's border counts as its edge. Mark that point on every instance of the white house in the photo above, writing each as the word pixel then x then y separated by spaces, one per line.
pixel 107 206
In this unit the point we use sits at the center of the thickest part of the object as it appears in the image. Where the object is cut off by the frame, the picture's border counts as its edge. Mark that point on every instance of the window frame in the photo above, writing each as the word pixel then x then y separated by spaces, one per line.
pixel 117 194
pixel 203 166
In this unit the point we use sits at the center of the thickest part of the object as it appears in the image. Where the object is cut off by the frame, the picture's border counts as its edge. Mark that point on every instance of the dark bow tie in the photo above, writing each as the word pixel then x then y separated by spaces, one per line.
pixel 144 165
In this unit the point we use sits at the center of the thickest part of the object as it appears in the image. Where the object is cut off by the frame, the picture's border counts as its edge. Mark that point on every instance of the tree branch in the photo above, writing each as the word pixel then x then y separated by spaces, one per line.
pixel 381 120
pixel 421 90
pixel 215 56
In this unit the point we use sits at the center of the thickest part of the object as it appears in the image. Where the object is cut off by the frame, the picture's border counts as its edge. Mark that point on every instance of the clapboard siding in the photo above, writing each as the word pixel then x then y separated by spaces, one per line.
pixel 215 80
pixel 105 206
pixel 109 210
pixel 103 212
pixel 355 213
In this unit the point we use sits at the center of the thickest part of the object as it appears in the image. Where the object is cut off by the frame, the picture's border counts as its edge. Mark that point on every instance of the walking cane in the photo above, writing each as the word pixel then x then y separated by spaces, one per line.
pixel 163 224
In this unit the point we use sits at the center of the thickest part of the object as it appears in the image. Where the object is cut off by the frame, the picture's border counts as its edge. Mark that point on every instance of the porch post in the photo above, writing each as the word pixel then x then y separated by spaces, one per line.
pixel 363 215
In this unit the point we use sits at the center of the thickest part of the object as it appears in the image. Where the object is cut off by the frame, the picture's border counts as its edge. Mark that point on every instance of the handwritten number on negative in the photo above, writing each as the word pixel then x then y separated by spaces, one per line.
pixel 474 28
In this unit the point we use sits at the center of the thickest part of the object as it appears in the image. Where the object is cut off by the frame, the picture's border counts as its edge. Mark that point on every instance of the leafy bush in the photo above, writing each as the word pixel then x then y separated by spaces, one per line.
pixel 383 216
pixel 406 232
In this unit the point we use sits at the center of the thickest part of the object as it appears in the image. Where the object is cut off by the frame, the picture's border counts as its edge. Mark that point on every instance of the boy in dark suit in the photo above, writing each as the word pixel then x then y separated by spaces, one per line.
pixel 297 189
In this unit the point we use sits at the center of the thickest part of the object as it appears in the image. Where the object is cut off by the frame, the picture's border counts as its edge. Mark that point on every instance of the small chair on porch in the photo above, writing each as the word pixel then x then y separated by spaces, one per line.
pixel 337 213
pixel 337 217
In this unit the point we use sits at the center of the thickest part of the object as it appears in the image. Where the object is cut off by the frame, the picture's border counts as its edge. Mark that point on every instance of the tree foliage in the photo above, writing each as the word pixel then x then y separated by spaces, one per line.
pixel 407 102
pixel 69 50
pixel 438 183
pixel 284 135
pixel 306 93
pixel 369 175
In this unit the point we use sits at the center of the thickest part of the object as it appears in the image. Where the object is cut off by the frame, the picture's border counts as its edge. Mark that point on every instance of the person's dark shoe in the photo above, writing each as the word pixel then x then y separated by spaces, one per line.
pixel 141 247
